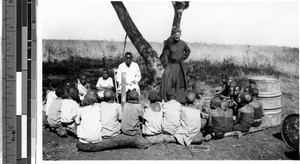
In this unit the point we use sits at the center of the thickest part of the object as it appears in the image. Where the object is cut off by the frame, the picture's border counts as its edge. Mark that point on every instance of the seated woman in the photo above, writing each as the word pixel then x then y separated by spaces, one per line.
pixel 245 115
pixel 105 82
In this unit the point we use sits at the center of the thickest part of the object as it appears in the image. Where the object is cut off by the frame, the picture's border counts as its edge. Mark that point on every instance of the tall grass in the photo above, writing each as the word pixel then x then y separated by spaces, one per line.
pixel 67 59
pixel 282 59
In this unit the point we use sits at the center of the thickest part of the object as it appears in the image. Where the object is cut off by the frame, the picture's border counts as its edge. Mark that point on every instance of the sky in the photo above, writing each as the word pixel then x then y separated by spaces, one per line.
pixel 222 22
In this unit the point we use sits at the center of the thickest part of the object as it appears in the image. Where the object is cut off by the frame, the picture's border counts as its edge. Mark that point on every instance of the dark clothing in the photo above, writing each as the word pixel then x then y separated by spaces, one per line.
pixel 217 127
pixel 258 113
pixel 228 124
pixel 130 124
pixel 218 123
pixel 245 122
pixel 174 76
pixel 258 110
pixel 225 89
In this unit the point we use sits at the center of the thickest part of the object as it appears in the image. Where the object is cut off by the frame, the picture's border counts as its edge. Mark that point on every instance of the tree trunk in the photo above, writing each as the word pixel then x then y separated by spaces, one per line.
pixel 178 6
pixel 150 57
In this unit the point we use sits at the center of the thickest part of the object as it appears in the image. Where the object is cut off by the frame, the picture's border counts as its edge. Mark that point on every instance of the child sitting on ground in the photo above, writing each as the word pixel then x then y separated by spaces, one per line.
pixel 171 113
pixel 111 115
pixel 50 96
pixel 257 107
pixel 89 120
pixel 153 116
pixel 132 114
pixel 190 121
pixel 236 99
pixel 245 116
pixel 216 122
pixel 54 113
pixel 83 86
pixel 69 109
pixel 228 116
pixel 105 82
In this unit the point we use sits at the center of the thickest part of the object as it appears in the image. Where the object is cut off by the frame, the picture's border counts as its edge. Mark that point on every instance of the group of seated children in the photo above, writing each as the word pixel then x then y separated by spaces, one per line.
pixel 233 110
pixel 92 121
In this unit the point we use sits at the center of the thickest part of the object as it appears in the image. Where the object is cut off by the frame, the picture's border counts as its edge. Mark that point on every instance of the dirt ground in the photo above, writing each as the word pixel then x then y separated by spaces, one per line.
pixel 263 145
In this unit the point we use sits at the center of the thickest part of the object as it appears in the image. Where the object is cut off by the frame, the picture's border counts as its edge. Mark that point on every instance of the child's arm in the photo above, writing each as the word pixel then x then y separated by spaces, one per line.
pixel 77 118
pixel 237 117
pixel 210 120
pixel 119 112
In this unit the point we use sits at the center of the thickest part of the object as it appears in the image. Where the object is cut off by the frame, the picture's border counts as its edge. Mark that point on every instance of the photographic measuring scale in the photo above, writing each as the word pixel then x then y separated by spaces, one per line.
pixel 19 53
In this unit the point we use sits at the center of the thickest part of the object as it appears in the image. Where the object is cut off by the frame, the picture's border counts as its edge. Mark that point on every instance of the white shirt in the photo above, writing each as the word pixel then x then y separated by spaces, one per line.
pixel 81 89
pixel 69 109
pixel 104 83
pixel 110 114
pixel 190 125
pixel 50 97
pixel 171 116
pixel 132 74
pixel 153 121
pixel 89 128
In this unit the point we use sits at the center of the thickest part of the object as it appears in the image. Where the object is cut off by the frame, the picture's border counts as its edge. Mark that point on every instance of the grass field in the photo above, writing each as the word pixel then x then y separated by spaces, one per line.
pixel 67 59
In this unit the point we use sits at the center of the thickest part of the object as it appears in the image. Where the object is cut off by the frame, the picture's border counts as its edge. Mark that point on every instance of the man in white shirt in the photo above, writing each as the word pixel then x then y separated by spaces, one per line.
pixel 133 74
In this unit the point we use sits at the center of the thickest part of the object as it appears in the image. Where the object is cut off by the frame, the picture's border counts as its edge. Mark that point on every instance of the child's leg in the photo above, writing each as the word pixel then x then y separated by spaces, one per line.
pixel 61 131
pixel 71 127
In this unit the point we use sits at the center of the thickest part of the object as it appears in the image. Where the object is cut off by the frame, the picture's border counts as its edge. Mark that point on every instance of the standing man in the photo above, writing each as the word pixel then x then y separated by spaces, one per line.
pixel 175 51
pixel 133 74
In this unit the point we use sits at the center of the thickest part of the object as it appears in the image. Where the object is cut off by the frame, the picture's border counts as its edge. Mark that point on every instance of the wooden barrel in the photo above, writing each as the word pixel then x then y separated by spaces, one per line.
pixel 270 97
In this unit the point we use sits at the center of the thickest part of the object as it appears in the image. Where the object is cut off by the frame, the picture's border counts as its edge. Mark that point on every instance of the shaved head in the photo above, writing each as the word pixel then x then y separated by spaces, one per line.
pixel 190 97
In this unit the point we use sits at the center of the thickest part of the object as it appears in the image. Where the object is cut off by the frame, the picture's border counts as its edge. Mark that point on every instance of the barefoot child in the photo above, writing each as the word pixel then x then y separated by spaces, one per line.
pixel 216 122
pixel 89 120
pixel 153 116
pixel 111 115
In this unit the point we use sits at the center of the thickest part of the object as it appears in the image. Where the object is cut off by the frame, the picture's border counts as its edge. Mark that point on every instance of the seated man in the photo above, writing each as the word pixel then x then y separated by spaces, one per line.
pixel 133 74
pixel 257 107
pixel 245 116
pixel 190 121
pixel 171 113
pixel 153 115
pixel 216 122
pixel 105 82
pixel 111 113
